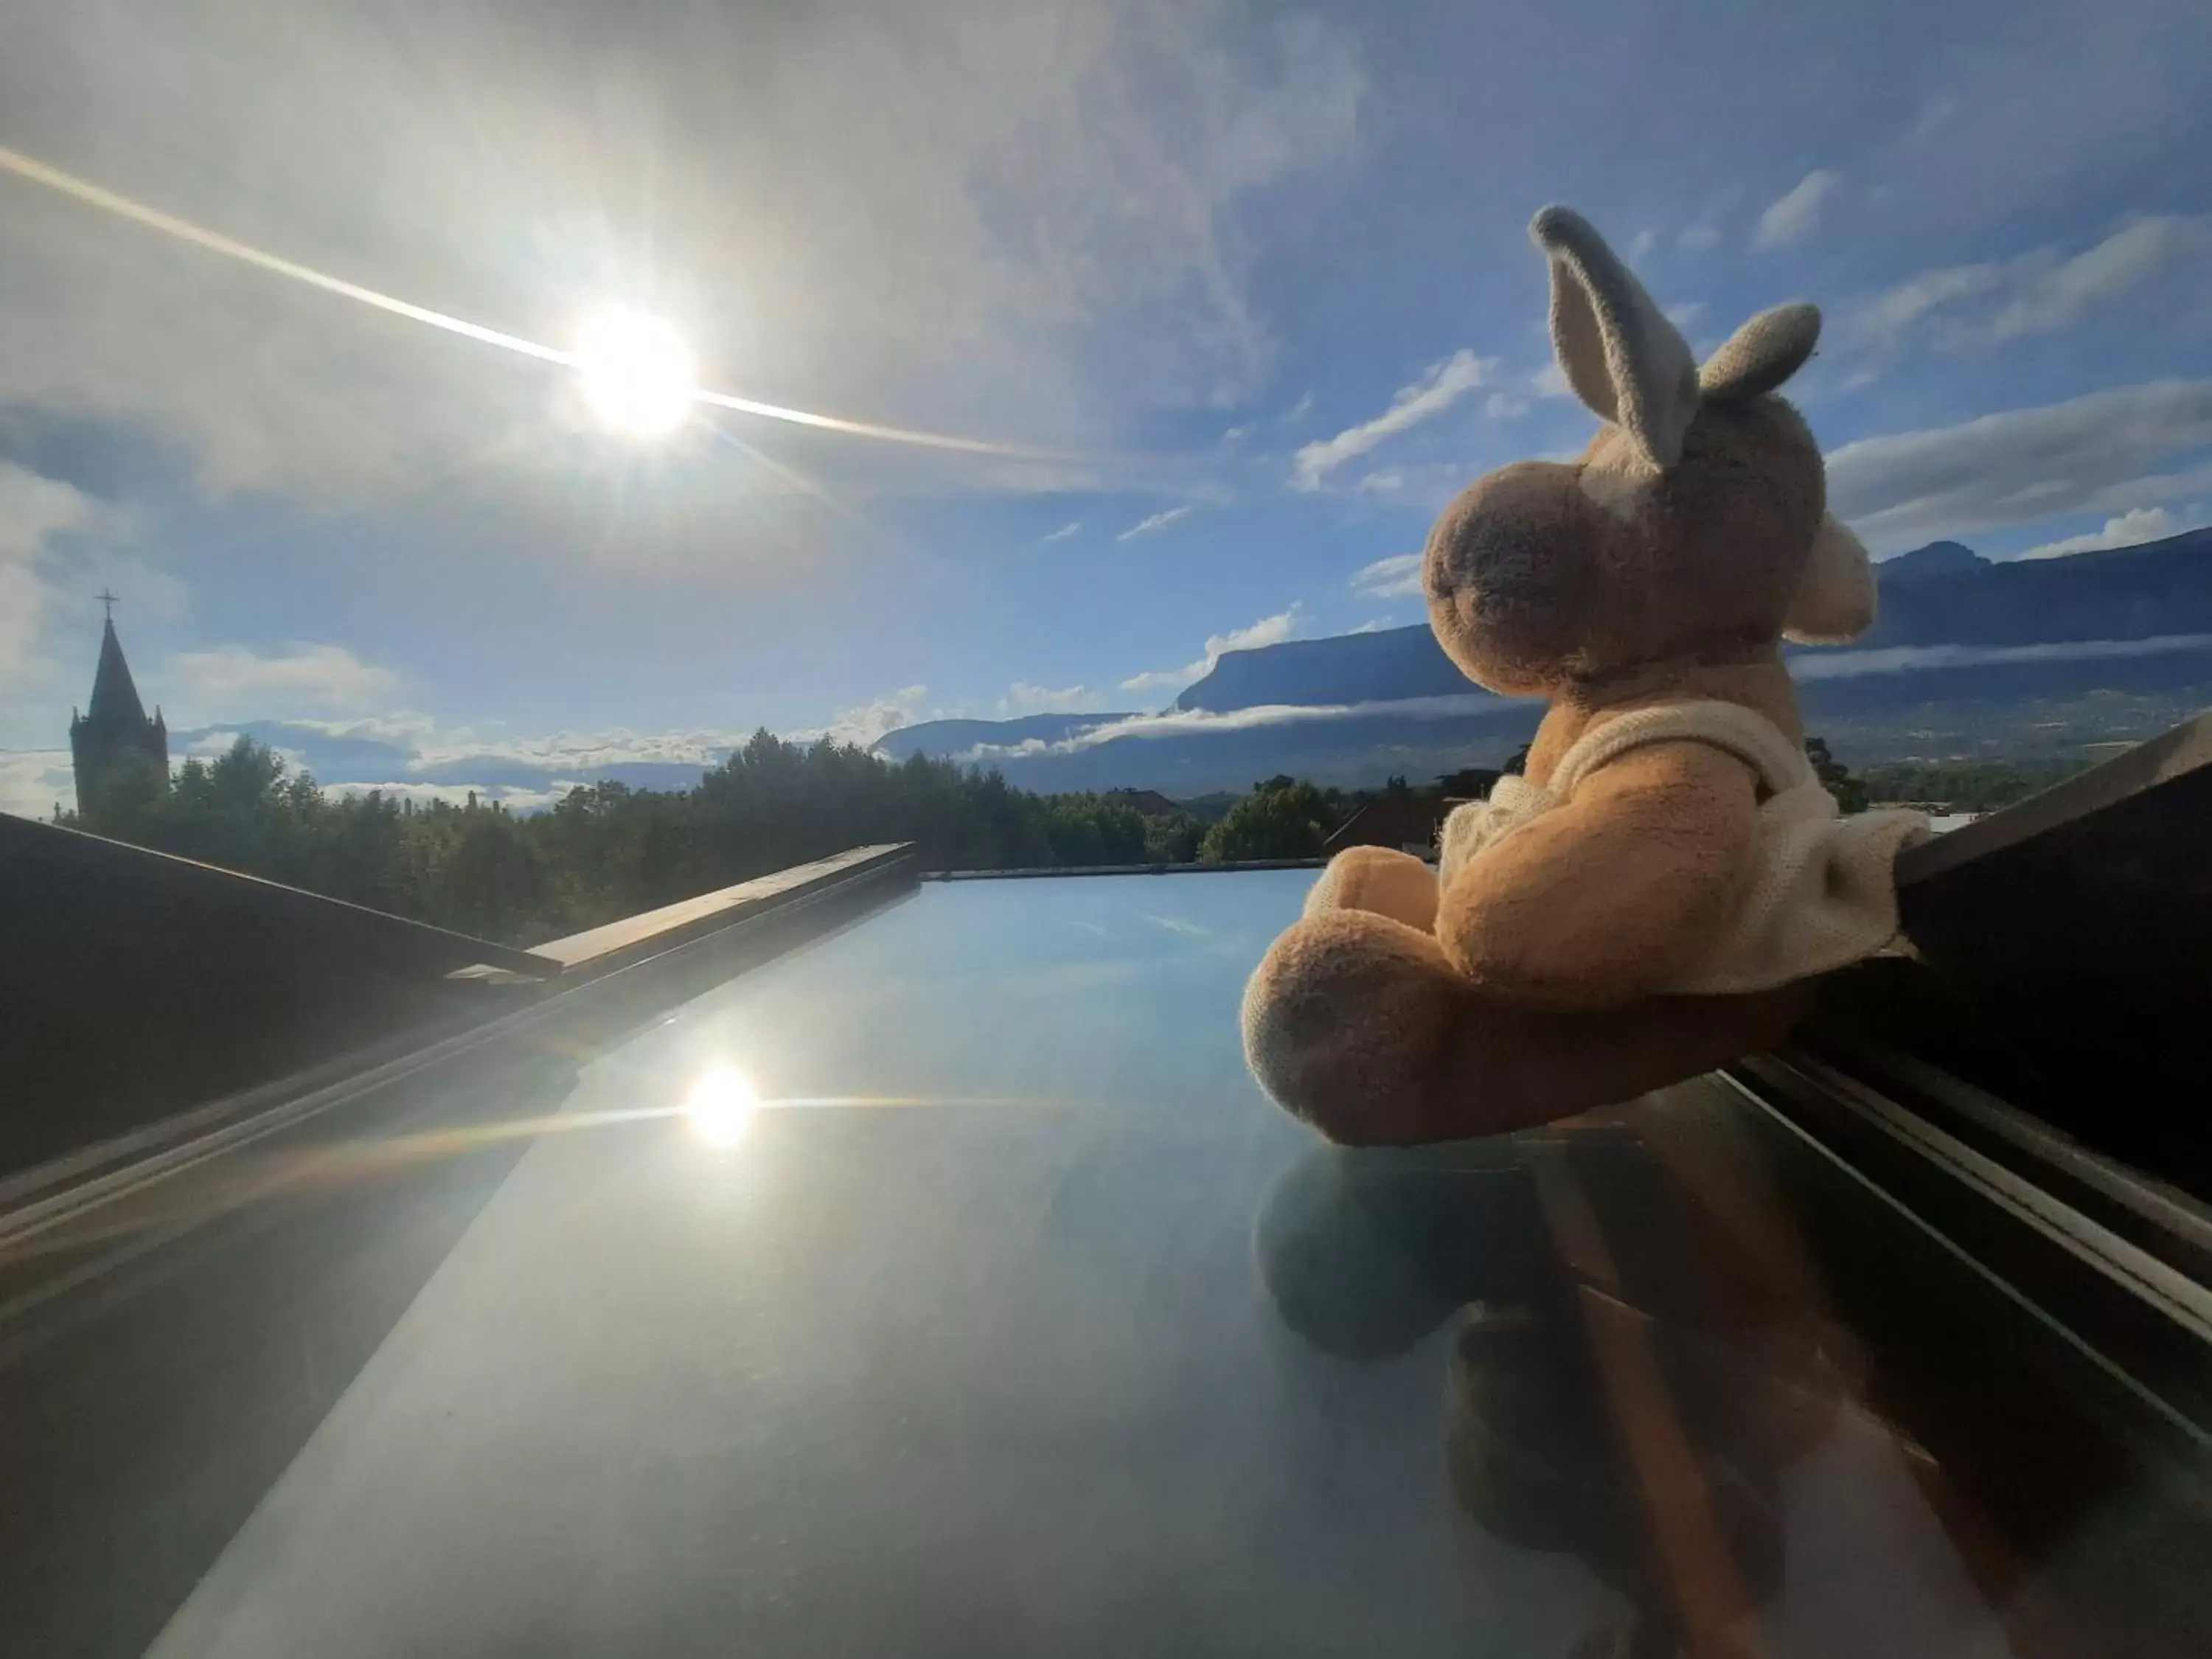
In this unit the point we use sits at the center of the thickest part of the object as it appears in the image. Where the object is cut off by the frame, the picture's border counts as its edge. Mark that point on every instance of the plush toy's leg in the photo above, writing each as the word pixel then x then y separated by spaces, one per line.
pixel 1380 879
pixel 1362 1026
pixel 1352 1022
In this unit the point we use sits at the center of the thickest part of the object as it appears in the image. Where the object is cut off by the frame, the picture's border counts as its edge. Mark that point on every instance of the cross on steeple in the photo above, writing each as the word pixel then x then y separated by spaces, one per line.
pixel 107 599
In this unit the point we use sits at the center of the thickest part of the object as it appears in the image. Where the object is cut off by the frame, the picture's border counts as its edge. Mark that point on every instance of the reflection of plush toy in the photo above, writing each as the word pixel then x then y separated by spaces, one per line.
pixel 1646 901
pixel 1365 1253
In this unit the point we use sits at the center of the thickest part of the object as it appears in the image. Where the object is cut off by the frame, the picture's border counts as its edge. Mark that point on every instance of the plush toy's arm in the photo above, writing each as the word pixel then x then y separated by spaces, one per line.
pixel 1614 894
pixel 1380 879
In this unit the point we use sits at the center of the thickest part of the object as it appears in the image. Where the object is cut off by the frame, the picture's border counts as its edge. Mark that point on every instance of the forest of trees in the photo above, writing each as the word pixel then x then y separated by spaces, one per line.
pixel 606 850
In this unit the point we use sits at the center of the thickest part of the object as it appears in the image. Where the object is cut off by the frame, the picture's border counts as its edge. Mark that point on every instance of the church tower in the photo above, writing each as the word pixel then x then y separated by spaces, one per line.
pixel 113 740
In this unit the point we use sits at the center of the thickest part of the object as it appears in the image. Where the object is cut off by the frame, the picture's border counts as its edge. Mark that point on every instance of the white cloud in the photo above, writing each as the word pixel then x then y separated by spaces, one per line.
pixel 32 509
pixel 1023 698
pixel 2039 292
pixel 1699 237
pixel 1236 434
pixel 1503 406
pixel 1374 625
pixel 1397 577
pixel 2137 524
pixel 2091 454
pixel 1157 522
pixel 1641 244
pixel 234 683
pixel 1060 534
pixel 39 517
pixel 1550 381
pixel 869 721
pixel 1298 410
pixel 562 754
pixel 34 782
pixel 1443 384
pixel 1685 315
pixel 1268 631
pixel 1795 214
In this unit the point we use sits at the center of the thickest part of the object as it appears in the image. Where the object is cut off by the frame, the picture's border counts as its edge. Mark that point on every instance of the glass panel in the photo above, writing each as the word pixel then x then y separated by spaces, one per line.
pixel 947 1287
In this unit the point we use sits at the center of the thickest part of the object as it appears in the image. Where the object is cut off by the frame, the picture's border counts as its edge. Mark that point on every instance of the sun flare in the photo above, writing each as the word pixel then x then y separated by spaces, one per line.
pixel 636 372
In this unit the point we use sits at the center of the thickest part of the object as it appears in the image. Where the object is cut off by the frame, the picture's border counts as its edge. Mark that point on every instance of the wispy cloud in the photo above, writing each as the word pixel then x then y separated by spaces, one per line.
pixel 1157 523
pixel 1185 722
pixel 1060 534
pixel 1912 658
pixel 2054 297
pixel 1795 214
pixel 1298 410
pixel 2097 453
pixel 1443 384
pixel 2137 524
pixel 1397 577
pixel 1268 631
pixel 2039 292
pixel 1641 244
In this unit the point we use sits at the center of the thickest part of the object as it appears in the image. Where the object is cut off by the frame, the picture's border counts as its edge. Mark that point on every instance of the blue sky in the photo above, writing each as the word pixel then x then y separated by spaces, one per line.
pixel 1258 275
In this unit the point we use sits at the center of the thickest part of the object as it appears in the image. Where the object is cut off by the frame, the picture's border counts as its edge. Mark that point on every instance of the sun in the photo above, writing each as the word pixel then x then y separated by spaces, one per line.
pixel 636 372
pixel 721 1107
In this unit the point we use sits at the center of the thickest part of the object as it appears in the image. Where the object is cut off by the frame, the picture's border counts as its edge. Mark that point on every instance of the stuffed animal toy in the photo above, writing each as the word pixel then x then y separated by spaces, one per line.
pixel 1650 899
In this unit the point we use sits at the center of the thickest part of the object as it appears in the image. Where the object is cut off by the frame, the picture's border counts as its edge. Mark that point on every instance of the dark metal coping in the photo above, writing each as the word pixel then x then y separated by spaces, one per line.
pixel 2113 1262
pixel 599 950
pixel 2169 756
pixel 620 953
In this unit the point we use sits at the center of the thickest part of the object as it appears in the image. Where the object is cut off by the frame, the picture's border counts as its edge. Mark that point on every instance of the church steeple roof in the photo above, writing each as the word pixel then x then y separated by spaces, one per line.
pixel 114 695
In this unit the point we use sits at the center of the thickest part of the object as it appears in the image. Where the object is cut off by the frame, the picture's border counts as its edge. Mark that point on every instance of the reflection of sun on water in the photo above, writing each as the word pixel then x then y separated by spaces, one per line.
pixel 721 1106
pixel 636 373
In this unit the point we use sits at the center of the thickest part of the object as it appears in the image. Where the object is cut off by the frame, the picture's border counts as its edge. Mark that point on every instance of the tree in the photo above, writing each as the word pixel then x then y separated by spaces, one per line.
pixel 494 882
pixel 1173 839
pixel 1282 818
pixel 1835 777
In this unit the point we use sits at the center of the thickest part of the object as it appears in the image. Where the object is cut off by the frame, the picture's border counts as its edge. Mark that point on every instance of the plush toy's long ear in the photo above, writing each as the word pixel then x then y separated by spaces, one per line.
pixel 1762 354
pixel 1620 353
pixel 1835 601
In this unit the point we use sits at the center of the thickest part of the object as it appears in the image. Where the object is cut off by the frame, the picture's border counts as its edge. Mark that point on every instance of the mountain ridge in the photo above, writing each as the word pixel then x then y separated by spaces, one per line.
pixel 1969 654
pixel 1929 597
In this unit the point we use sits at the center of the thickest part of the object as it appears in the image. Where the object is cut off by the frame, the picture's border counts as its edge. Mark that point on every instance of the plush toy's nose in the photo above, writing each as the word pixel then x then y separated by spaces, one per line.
pixel 1507 574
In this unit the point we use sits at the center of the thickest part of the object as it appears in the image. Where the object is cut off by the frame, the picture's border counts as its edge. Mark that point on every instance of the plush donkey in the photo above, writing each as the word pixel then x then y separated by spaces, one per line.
pixel 1649 901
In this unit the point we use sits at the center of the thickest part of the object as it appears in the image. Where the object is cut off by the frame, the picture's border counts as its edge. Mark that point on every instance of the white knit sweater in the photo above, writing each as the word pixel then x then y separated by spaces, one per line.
pixel 1825 894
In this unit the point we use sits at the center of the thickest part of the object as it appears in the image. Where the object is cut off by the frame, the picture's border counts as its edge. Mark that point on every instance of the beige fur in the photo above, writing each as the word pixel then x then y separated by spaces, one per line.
pixel 1662 565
